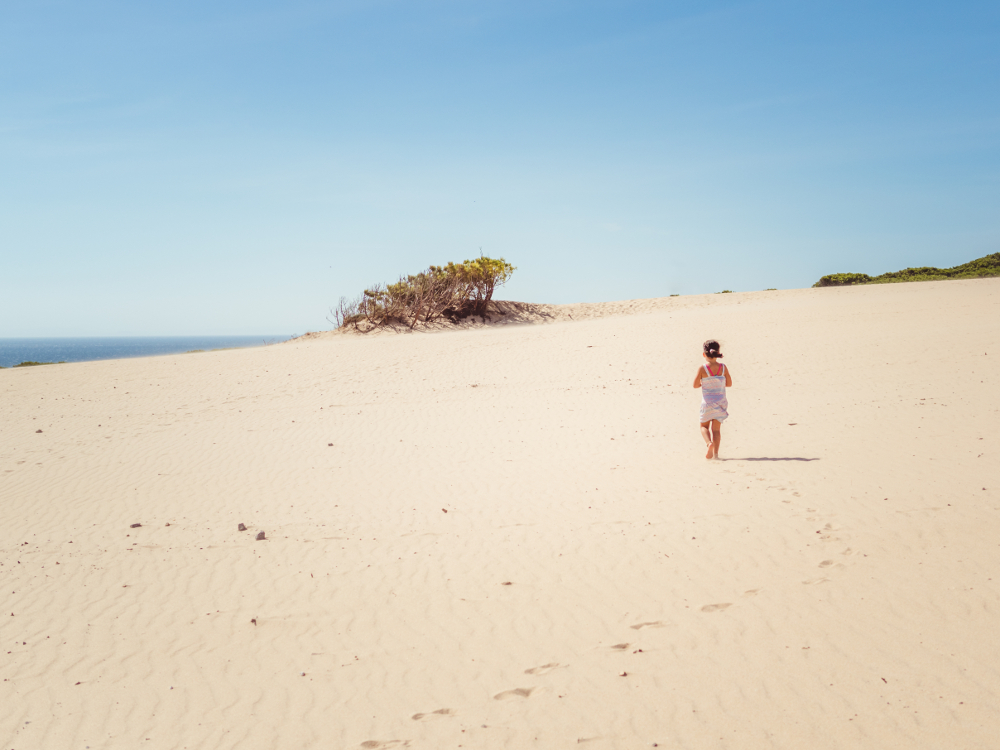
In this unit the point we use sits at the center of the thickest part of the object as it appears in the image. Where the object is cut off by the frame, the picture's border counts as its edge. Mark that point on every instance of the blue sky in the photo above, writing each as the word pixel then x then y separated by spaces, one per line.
pixel 235 167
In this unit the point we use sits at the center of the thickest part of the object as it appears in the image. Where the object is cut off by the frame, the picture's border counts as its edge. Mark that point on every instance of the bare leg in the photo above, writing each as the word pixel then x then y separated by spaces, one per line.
pixel 716 436
pixel 706 435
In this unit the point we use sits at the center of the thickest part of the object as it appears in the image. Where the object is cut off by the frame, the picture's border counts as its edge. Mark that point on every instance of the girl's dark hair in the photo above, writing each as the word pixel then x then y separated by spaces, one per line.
pixel 712 349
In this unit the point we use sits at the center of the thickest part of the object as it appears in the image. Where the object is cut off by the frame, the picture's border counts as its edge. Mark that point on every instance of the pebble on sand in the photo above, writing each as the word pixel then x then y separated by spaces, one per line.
pixel 260 536
pixel 241 527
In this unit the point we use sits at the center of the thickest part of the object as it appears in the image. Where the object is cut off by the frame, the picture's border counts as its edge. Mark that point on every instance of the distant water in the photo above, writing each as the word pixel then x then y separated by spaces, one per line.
pixel 15 351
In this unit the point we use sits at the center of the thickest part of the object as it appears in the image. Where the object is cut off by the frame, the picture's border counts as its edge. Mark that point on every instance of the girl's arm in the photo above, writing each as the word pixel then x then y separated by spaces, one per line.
pixel 729 379
pixel 697 378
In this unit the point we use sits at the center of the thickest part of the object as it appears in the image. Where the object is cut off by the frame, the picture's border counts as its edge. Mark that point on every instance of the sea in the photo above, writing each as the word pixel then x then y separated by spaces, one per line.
pixel 15 351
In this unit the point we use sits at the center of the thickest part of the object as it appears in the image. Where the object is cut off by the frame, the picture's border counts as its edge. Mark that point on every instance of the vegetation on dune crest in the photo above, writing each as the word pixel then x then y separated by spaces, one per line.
pixel 986 266
pixel 34 364
pixel 453 292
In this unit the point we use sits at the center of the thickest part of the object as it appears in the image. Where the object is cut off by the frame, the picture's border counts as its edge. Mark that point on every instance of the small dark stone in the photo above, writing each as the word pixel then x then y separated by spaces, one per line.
pixel 260 536
pixel 241 527
pixel 135 526
pixel 37 431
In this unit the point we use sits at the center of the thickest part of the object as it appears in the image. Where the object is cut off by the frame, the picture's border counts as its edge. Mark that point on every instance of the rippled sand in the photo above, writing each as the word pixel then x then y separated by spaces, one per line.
pixel 508 537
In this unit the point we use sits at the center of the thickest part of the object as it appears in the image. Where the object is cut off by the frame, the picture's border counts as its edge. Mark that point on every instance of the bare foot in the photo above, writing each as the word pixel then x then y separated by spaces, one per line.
pixel 711 451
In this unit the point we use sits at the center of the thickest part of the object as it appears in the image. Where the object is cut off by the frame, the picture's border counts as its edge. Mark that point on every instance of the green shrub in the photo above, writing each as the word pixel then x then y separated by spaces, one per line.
pixel 35 364
pixel 988 265
pixel 843 279
pixel 453 292
pixel 725 291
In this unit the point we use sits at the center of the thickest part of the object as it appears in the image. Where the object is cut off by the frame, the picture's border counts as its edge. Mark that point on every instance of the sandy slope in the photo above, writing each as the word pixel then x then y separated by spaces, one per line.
pixel 832 584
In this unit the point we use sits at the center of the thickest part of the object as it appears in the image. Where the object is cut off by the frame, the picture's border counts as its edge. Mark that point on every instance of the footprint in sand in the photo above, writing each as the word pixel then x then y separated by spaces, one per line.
pixel 716 607
pixel 621 646
pixel 826 534
pixel 653 624
pixel 384 744
pixel 751 592
pixel 544 669
pixel 509 695
pixel 814 581
pixel 433 715
pixel 826 563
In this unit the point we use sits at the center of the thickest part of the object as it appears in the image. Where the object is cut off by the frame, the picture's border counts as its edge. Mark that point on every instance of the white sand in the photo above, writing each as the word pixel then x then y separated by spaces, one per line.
pixel 832 584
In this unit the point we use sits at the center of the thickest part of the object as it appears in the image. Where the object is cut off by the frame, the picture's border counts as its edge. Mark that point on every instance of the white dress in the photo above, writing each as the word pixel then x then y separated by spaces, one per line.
pixel 713 396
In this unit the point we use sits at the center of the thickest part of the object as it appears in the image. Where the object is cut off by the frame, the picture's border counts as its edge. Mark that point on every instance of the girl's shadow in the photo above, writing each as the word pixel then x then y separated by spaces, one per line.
pixel 768 458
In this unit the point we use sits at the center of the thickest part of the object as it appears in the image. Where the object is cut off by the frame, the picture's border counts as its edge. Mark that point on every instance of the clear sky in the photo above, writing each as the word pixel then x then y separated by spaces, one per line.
pixel 199 167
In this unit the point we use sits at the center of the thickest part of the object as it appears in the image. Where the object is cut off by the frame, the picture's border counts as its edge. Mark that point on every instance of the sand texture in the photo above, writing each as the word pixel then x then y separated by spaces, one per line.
pixel 509 537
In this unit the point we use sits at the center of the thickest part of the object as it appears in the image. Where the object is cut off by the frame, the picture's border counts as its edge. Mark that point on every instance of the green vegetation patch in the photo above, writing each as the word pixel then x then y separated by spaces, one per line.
pixel 36 364
pixel 980 268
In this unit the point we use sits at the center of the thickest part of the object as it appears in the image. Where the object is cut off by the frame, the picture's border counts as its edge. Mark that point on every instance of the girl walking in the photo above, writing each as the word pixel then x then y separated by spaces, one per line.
pixel 713 378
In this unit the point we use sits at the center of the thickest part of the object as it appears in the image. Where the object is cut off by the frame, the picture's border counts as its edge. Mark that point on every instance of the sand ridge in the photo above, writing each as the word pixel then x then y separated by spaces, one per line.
pixel 514 539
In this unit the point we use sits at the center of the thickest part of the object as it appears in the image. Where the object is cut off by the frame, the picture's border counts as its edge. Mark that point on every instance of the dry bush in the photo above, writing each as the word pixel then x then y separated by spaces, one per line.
pixel 454 292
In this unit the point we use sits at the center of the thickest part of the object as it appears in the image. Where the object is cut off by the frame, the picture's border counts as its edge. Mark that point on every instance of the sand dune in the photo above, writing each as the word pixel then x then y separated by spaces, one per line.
pixel 508 537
